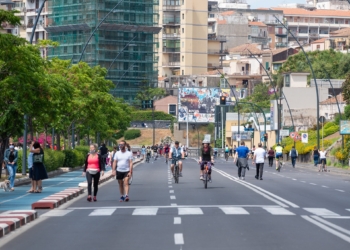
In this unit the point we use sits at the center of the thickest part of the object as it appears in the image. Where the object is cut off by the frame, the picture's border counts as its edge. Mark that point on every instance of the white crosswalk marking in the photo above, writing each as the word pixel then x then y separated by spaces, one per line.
pixel 190 211
pixel 234 210
pixel 102 212
pixel 348 209
pixel 56 213
pixel 145 211
pixel 278 211
pixel 320 211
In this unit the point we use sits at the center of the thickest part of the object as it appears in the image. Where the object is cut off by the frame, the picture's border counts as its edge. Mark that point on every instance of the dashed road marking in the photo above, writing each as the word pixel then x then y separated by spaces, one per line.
pixel 278 211
pixel 234 210
pixel 321 211
pixel 340 190
pixel 171 191
pixel 177 220
pixel 173 197
pixel 179 239
pixel 324 186
pixel 56 213
pixel 102 212
pixel 313 184
pixel 190 211
pixel 145 211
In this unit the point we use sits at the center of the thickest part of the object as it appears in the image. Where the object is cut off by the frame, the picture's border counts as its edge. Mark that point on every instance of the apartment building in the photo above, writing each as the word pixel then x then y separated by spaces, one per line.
pixel 186 47
pixel 311 24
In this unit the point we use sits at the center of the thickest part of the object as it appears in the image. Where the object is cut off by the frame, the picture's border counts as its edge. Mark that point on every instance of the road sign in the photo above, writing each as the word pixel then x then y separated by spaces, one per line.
pixel 322 119
pixel 304 137
pixel 238 137
pixel 207 137
pixel 345 127
pixel 284 132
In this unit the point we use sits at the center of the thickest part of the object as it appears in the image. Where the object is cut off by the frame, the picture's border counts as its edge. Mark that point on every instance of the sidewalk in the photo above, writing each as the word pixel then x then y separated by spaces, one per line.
pixel 21 200
pixel 332 169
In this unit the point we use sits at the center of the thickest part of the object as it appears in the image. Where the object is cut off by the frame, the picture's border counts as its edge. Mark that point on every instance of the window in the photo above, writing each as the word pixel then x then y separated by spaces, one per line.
pixel 172 109
pixel 183 30
pixel 182 72
pixel 318 46
pixel 182 58
pixel 183 16
pixel 326 115
pixel 182 44
pixel 183 2
pixel 287 80
pixel 267 66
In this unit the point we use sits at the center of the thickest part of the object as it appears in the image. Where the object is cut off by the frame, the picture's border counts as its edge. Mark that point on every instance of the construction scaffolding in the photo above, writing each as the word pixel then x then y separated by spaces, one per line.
pixel 126 43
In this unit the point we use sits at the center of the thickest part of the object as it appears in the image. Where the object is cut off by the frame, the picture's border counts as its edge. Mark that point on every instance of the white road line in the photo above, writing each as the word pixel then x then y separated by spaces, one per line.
pixel 234 210
pixel 348 210
pixel 172 197
pixel 324 186
pixel 190 211
pixel 343 230
pixel 169 182
pixel 170 186
pixel 303 181
pixel 179 239
pixel 102 212
pixel 177 220
pixel 294 179
pixel 145 211
pixel 173 204
pixel 313 184
pixel 56 213
pixel 336 217
pixel 320 211
pixel 171 191
pixel 278 211
pixel 328 229
pixel 340 190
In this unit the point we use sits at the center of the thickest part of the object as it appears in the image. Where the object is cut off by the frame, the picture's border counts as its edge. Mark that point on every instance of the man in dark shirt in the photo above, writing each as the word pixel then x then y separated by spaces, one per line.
pixel 103 152
pixel 241 159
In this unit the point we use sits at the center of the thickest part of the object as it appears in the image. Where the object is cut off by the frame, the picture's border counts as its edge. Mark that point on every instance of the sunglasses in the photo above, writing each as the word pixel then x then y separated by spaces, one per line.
pixel 121 145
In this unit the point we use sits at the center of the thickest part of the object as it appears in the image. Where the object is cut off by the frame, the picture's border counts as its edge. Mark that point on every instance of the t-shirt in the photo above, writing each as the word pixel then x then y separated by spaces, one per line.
pixel 177 153
pixel 155 149
pixel 322 154
pixel 260 155
pixel 123 164
pixel 226 149
pixel 279 149
pixel 242 151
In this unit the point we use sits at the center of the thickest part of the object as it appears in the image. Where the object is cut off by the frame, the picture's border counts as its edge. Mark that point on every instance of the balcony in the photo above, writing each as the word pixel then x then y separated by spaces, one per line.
pixel 281 33
pixel 171 7
pixel 171 50
pixel 313 35
pixel 281 45
pixel 171 64
pixel 214 66
pixel 217 52
pixel 7 26
pixel 171 21
pixel 217 38
pixel 171 36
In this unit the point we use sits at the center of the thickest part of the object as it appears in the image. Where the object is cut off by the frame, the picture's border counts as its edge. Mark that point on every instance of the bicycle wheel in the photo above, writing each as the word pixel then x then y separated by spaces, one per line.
pixel 205 180
pixel 130 179
pixel 176 173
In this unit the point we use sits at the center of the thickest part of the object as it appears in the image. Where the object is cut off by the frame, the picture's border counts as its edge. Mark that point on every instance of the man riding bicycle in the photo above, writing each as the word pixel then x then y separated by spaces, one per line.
pixel 176 153
pixel 279 154
pixel 166 152
pixel 206 156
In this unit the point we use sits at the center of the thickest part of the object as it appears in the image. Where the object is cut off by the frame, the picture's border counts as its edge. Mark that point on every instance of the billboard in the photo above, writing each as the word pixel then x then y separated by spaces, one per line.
pixel 345 127
pixel 198 104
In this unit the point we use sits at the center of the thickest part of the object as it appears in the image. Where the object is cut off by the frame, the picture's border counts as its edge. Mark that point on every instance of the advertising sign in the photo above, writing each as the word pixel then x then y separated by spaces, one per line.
pixel 304 138
pixel 345 127
pixel 273 115
pixel 198 104
pixel 284 132
pixel 243 135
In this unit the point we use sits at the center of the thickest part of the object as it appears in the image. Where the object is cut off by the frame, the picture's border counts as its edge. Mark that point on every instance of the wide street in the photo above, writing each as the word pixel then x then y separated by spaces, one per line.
pixel 294 209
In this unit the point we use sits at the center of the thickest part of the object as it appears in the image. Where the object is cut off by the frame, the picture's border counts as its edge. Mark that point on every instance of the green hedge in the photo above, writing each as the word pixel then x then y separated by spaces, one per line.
pixel 54 160
pixel 147 116
pixel 132 134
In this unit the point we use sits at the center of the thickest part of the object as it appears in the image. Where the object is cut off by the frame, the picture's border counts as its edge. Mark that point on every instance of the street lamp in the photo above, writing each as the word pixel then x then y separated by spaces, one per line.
pixel 313 75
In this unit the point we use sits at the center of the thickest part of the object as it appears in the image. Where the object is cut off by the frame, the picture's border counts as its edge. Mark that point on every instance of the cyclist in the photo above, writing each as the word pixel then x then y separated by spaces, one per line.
pixel 166 152
pixel 279 154
pixel 206 156
pixel 227 150
pixel 155 151
pixel 148 153
pixel 176 153
pixel 323 161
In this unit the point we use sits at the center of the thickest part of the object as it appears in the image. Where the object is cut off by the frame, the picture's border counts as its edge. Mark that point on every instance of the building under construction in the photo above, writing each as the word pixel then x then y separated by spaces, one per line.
pixel 125 43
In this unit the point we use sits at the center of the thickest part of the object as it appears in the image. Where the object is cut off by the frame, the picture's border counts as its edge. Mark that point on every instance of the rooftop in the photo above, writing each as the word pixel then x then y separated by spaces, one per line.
pixel 260 24
pixel 341 33
pixel 316 12
pixel 332 100
pixel 322 40
pixel 243 49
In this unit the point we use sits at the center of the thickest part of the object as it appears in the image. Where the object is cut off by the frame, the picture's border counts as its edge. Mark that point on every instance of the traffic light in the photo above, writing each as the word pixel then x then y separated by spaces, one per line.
pixel 265 137
pixel 223 100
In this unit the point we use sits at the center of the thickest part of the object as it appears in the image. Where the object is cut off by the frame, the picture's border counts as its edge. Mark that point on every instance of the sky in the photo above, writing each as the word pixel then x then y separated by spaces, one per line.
pixel 254 4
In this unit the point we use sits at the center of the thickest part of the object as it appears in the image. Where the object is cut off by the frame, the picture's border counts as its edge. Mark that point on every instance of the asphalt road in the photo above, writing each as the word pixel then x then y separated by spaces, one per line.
pixel 294 209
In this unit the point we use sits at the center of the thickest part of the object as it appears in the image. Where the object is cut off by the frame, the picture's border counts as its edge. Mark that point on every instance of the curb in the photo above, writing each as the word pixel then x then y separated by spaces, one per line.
pixel 11 220
pixel 57 199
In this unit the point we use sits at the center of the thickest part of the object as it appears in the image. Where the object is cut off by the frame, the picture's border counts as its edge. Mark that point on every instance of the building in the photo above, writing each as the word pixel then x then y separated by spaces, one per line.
pixel 309 24
pixel 167 104
pixel 329 107
pixel 124 43
pixel 186 48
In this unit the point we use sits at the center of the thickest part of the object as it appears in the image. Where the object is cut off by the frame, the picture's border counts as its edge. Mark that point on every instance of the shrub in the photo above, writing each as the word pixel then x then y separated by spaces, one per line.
pixel 119 134
pixel 148 116
pixel 132 134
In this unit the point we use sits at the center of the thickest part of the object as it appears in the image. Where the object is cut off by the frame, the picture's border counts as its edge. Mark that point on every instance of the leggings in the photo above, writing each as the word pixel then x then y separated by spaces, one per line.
pixel 271 161
pixel 89 178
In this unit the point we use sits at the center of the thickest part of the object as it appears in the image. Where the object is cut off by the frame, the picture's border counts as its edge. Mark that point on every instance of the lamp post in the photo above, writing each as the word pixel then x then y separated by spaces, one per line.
pixel 188 116
pixel 313 75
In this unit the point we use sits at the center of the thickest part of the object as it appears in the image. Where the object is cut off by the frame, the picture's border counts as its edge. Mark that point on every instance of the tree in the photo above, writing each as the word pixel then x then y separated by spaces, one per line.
pixel 23 89
pixel 147 93
pixel 346 90
pixel 260 96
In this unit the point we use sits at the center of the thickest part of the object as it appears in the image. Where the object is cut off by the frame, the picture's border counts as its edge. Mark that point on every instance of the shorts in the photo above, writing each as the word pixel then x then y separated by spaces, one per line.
pixel 122 175
pixel 323 161
pixel 202 166
pixel 175 160
pixel 279 155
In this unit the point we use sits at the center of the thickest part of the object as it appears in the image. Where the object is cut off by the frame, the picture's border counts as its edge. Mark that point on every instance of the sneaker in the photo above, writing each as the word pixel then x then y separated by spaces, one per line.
pixel 126 197
pixel 261 179
pixel 122 198
pixel 256 177
pixel 210 180
pixel 242 178
pixel 180 174
pixel 201 177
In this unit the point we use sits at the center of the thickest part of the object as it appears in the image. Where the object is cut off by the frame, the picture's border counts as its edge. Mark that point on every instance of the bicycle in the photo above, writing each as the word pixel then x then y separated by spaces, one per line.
pixel 226 156
pixel 176 171
pixel 280 164
pixel 207 167
pixel 166 158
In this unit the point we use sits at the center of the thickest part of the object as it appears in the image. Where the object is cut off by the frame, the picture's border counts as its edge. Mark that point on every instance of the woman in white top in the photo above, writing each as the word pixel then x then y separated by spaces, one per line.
pixel 323 161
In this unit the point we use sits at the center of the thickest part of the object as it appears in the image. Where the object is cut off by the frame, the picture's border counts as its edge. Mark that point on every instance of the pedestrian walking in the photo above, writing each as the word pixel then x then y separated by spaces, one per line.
pixel 38 169
pixel 143 152
pixel 30 169
pixel 234 150
pixel 259 160
pixel 10 158
pixel 241 160
pixel 231 151
pixel 293 153
pixel 271 156
pixel 122 169
pixel 94 168
pixel 316 156
pixel 103 151
pixel 323 161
